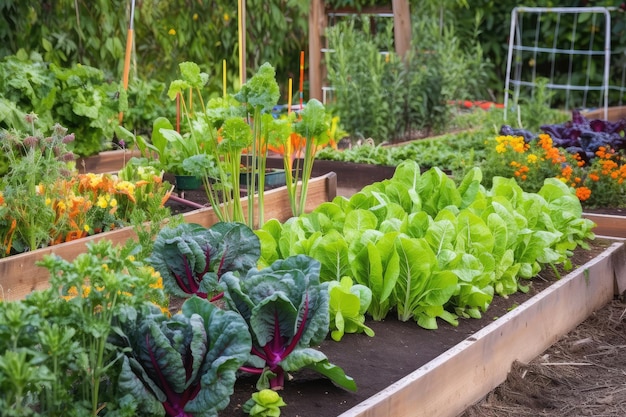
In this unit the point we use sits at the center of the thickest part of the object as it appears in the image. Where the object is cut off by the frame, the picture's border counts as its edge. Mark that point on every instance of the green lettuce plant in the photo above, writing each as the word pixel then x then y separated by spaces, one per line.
pixel 430 248
pixel 348 303
pixel 265 403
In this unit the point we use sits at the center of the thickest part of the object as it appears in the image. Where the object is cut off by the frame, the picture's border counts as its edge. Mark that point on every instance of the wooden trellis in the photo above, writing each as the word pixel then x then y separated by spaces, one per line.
pixel 318 22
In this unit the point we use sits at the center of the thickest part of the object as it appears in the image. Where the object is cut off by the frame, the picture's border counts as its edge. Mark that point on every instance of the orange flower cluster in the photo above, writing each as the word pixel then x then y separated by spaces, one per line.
pixel 86 204
pixel 551 153
pixel 533 162
pixel 610 165
pixel 520 170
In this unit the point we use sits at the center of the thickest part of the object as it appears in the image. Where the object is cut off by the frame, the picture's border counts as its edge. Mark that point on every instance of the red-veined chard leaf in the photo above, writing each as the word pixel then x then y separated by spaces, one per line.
pixel 286 309
pixel 191 258
pixel 186 365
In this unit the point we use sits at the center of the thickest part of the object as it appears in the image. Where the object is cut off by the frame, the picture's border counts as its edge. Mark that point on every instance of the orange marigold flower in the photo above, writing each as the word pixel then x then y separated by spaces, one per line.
pixel 594 177
pixel 583 193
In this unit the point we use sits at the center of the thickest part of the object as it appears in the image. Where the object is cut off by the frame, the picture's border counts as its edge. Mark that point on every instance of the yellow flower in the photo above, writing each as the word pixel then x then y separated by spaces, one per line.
pixel 532 158
pixel 86 228
pixel 226 17
pixel 195 16
pixel 113 202
pixel 172 32
pixel 48 201
pixel 102 202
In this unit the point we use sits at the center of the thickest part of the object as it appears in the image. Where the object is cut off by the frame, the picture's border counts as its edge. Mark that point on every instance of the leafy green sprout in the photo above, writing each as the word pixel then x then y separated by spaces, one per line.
pixel 265 403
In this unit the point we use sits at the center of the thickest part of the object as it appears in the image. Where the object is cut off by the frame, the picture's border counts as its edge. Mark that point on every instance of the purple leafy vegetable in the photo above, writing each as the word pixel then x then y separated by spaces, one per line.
pixel 191 258
pixel 184 366
pixel 286 308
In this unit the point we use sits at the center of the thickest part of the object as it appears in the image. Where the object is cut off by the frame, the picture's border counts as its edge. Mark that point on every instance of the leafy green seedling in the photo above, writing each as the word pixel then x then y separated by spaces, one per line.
pixel 348 304
pixel 265 403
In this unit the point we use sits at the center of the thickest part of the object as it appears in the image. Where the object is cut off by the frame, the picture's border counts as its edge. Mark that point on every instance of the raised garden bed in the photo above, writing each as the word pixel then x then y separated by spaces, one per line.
pixel 445 383
pixel 442 372
pixel 19 275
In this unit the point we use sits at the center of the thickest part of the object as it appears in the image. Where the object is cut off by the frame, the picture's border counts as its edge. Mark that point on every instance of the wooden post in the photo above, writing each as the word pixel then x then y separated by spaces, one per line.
pixel 401 26
pixel 317 28
pixel 318 21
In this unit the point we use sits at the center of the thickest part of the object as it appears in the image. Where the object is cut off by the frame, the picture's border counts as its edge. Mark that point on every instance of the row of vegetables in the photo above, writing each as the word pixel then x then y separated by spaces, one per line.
pixel 260 302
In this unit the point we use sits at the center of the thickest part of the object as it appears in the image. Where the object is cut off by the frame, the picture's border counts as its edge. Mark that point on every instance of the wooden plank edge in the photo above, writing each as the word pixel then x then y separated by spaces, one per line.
pixel 607 224
pixel 19 275
pixel 464 374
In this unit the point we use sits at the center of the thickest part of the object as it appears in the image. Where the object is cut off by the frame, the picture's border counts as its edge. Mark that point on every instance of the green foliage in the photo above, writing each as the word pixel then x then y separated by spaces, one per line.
pixel 55 355
pixel 192 258
pixel 286 308
pixel 386 97
pixel 452 152
pixel 184 365
pixel 166 33
pixel 265 403
pixel 77 97
pixel 430 248
pixel 348 303
pixel 494 18
pixel 34 165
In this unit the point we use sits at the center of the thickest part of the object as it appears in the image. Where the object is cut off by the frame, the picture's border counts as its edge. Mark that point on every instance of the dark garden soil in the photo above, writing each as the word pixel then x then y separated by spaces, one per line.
pixel 593 383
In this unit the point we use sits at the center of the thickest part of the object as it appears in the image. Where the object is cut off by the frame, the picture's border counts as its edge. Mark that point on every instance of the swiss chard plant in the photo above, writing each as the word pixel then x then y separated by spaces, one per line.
pixel 185 365
pixel 286 309
pixel 191 258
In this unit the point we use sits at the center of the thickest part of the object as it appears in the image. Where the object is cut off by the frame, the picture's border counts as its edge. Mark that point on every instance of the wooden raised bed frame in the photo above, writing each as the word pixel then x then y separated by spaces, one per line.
pixel 19 275
pixel 448 384
pixel 464 374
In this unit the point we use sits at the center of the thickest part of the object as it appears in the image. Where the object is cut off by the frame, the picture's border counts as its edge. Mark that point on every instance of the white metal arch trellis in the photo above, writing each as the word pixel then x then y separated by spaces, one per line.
pixel 518 47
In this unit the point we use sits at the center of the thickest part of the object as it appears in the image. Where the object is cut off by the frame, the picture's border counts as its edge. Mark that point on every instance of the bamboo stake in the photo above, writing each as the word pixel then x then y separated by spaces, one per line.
pixel 224 78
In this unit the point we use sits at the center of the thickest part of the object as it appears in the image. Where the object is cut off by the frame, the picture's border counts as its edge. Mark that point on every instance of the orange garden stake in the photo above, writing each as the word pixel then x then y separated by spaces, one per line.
pixel 129 48
pixel 301 78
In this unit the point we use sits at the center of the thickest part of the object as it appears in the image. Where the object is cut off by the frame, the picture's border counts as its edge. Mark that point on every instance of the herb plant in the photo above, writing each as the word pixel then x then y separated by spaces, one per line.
pixel 55 355
pixel 36 163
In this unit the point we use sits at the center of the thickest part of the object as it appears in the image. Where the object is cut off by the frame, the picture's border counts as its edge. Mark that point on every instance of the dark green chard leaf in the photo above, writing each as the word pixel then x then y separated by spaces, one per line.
pixel 191 258
pixel 186 365
pixel 286 309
